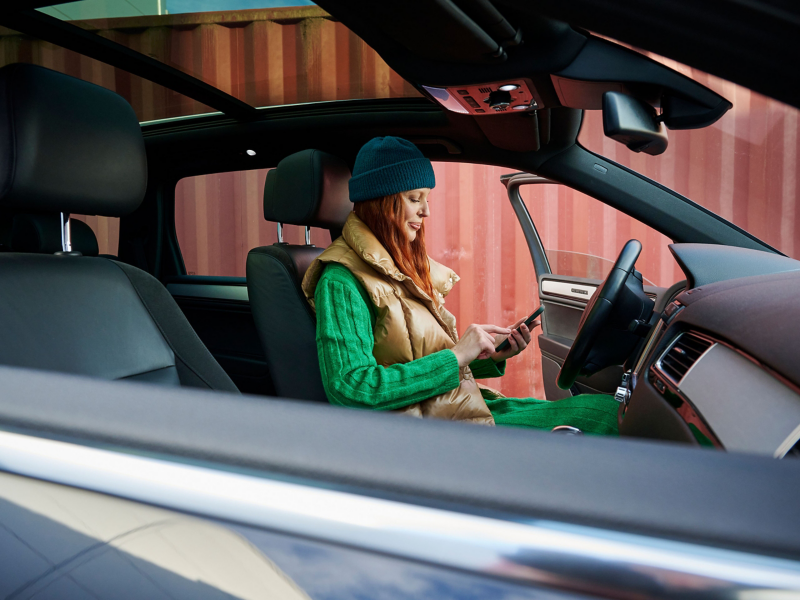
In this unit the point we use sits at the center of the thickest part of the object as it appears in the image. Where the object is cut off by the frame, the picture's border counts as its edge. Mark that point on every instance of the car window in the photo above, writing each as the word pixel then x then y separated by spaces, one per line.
pixel 743 167
pixel 220 217
pixel 106 230
pixel 582 237
pixel 259 51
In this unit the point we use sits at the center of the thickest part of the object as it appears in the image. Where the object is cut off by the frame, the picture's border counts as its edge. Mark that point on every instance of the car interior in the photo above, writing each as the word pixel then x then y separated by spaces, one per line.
pixel 710 361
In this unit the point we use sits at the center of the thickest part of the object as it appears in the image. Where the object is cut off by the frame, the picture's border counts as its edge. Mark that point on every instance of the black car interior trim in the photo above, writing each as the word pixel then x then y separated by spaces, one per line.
pixel 710 263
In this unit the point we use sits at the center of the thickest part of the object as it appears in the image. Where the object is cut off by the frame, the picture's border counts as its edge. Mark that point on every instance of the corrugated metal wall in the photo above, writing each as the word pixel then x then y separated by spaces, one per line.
pixel 263 57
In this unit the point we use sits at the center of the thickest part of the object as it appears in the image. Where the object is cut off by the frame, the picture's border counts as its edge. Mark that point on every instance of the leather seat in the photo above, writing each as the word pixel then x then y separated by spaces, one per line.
pixel 308 188
pixel 74 147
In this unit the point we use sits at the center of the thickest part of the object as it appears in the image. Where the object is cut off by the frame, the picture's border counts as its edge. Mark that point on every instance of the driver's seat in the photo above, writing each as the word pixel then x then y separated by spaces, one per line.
pixel 308 188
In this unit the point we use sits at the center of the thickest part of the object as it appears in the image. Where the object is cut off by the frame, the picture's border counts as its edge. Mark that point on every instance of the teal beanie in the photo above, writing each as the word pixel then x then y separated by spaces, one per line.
pixel 388 165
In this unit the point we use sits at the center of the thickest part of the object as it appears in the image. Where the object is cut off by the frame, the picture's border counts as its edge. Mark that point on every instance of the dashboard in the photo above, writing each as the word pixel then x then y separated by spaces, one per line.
pixel 721 366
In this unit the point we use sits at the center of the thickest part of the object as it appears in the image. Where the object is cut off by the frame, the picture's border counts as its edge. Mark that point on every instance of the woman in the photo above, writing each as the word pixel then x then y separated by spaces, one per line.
pixel 384 337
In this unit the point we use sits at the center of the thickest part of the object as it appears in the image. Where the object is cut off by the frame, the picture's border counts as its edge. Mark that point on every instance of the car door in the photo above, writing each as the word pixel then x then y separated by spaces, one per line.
pixel 574 240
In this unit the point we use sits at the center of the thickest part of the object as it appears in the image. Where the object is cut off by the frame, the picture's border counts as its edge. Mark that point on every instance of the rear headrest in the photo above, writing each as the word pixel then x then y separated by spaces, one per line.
pixel 41 234
pixel 308 188
pixel 67 145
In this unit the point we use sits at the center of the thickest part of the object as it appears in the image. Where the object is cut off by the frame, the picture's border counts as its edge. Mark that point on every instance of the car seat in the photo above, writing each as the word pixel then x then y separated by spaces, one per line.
pixel 74 147
pixel 308 188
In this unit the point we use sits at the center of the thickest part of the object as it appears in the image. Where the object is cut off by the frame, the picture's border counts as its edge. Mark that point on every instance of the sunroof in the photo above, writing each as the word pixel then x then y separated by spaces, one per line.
pixel 149 100
pixel 262 52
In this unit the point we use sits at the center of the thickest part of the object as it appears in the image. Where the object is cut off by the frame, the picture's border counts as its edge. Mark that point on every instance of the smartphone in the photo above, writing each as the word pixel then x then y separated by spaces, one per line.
pixel 505 344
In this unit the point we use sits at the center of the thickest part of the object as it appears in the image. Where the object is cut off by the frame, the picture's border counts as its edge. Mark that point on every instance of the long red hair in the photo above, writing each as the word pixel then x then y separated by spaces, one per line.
pixel 386 219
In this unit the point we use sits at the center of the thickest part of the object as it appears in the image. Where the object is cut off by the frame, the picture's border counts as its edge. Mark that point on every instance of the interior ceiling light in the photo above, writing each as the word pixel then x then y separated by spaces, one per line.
pixel 509 87
pixel 521 107
pixel 250 152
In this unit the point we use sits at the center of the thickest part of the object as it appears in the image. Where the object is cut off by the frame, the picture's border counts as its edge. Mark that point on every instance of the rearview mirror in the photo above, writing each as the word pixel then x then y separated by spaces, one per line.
pixel 633 123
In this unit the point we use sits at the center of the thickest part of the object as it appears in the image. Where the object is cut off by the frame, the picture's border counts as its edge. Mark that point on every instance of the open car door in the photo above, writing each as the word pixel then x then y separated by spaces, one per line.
pixel 566 282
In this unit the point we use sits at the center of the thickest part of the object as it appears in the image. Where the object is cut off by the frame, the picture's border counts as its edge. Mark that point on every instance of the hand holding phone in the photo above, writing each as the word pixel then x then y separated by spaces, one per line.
pixel 505 344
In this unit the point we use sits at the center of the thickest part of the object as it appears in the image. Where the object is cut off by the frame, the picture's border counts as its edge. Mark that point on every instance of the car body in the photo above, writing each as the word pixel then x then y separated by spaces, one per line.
pixel 115 489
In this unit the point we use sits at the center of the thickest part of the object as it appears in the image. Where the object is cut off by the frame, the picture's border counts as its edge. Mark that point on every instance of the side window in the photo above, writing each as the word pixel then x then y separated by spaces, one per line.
pixel 474 231
pixel 219 218
pixel 582 237
pixel 106 230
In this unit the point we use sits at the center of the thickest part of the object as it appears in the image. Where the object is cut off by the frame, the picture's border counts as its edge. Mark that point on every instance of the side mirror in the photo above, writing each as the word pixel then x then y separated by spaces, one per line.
pixel 633 123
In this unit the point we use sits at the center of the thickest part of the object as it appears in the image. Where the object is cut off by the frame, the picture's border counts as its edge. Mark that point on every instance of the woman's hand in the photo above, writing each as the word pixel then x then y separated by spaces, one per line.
pixel 478 342
pixel 518 340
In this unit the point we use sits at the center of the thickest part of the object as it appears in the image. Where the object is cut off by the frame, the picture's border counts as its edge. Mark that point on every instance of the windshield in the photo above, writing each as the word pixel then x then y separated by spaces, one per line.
pixel 743 167
pixel 263 52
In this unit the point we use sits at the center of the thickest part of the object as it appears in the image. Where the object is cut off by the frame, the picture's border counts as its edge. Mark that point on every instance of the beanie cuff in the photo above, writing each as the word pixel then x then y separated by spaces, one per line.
pixel 392 179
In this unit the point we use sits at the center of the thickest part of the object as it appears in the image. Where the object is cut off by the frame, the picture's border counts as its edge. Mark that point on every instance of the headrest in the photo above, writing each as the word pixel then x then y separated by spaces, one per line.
pixel 308 188
pixel 41 234
pixel 67 145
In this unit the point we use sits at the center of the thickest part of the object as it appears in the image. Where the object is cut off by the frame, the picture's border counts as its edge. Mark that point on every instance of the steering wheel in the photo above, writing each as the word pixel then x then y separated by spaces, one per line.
pixel 598 313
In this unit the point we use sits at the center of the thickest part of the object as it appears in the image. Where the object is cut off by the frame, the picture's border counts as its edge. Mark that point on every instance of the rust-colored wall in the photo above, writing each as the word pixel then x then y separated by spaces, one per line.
pixel 263 57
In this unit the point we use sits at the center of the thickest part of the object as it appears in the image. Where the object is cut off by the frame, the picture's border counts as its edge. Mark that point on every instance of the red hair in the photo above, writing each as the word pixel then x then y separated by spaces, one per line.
pixel 386 219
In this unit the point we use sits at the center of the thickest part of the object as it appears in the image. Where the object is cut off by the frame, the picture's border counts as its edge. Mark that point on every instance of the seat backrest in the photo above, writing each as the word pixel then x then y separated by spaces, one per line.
pixel 308 188
pixel 73 147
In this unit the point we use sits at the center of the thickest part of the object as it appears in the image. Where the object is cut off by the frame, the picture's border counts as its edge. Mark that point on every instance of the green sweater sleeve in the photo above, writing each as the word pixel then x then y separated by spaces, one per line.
pixel 485 368
pixel 350 374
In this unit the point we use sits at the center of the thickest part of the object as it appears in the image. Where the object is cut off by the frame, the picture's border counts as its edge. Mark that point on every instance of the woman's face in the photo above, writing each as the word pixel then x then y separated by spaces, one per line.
pixel 415 209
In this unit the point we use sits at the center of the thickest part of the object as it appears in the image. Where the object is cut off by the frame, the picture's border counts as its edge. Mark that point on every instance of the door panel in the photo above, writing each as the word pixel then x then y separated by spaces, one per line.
pixel 564 299
pixel 219 310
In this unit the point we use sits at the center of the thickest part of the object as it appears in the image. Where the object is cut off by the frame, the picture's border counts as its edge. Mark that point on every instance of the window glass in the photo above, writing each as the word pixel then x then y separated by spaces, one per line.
pixel 582 236
pixel 149 100
pixel 219 218
pixel 743 167
pixel 259 51
pixel 106 230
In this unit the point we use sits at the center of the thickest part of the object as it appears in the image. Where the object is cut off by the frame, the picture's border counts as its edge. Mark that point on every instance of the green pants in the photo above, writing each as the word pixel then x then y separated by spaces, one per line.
pixel 591 413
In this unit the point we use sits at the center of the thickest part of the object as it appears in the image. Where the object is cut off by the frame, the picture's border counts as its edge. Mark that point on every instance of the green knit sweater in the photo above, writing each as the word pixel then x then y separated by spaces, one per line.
pixel 352 377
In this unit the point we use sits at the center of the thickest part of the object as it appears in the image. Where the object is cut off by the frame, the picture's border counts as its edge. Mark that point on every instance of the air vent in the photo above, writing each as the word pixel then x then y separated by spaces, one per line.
pixel 681 355
pixel 485 90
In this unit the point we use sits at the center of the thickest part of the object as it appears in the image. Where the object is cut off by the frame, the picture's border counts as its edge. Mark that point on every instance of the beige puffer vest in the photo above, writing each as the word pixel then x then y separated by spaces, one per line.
pixel 409 325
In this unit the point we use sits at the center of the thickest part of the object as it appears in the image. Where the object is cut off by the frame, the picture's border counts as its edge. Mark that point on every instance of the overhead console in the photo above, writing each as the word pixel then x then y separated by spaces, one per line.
pixel 487 58
pixel 497 97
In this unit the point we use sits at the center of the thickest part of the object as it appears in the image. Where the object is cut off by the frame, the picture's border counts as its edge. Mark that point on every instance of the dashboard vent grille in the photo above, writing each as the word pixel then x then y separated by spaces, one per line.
pixel 683 353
